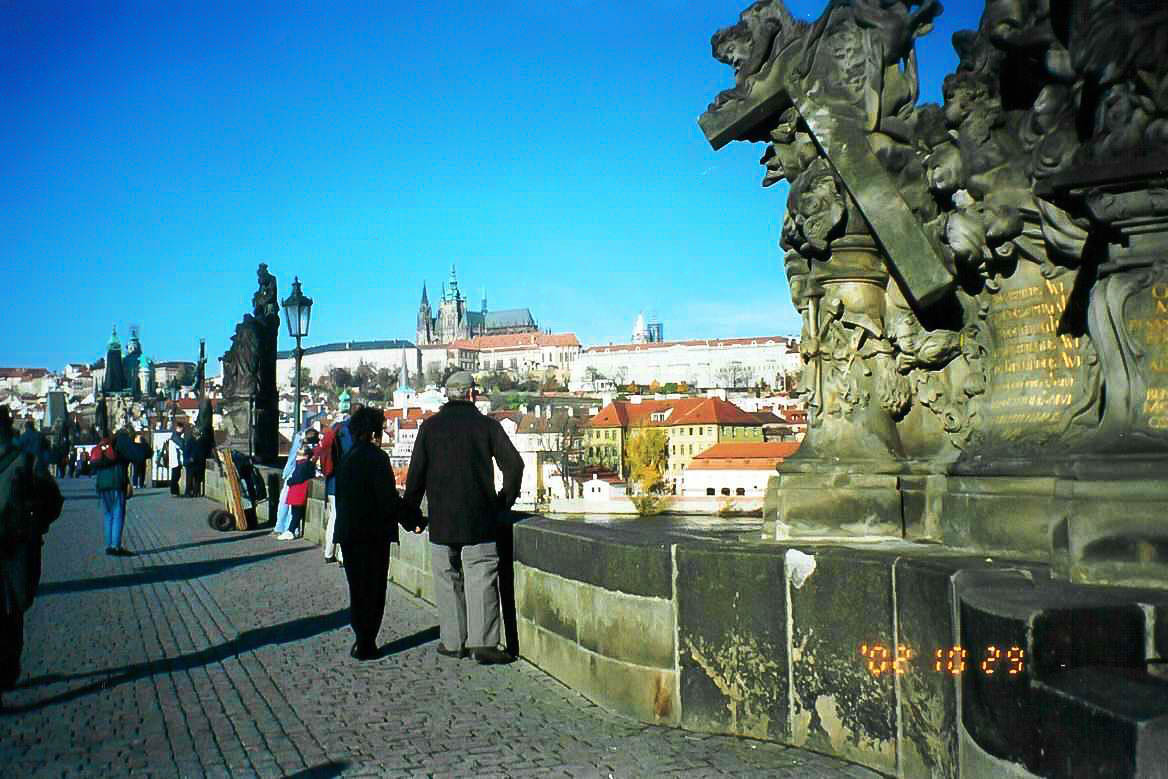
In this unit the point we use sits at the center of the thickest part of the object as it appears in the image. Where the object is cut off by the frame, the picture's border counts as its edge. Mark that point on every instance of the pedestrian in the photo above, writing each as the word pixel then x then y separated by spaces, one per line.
pixel 110 458
pixel 368 512
pixel 28 504
pixel 334 445
pixel 452 467
pixel 306 434
pixel 140 464
pixel 174 457
pixel 71 464
pixel 297 495
pixel 30 440
pixel 44 458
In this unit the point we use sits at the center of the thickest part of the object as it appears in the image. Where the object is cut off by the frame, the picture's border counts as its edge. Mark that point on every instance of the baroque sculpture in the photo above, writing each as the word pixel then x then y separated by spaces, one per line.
pixel 250 400
pixel 983 284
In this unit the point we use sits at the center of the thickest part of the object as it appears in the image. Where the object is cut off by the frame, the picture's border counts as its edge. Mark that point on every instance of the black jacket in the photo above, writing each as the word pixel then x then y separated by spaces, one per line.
pixel 368 506
pixel 451 466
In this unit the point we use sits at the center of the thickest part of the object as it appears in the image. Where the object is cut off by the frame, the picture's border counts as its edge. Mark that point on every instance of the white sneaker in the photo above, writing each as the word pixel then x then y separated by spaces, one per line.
pixel 285 536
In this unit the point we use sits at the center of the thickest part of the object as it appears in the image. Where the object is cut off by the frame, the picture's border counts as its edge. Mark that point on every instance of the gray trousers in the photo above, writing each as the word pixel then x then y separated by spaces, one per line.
pixel 466 588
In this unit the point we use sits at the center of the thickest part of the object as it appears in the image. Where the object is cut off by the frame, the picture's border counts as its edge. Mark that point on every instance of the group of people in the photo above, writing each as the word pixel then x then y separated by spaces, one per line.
pixel 184 450
pixel 29 502
pixel 452 467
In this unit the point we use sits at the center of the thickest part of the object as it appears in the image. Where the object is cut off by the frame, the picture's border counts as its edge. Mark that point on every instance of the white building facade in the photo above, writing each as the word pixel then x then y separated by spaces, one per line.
pixel 349 355
pixel 704 364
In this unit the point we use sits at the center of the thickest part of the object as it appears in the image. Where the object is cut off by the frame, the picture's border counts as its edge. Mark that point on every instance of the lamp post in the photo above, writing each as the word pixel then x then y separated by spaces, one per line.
pixel 297 312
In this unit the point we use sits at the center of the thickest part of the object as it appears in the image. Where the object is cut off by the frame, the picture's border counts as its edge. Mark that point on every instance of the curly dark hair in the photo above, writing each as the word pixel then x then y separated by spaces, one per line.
pixel 366 421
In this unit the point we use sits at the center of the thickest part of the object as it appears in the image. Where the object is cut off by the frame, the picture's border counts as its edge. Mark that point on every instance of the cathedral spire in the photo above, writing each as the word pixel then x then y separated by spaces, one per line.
pixel 454 294
pixel 425 297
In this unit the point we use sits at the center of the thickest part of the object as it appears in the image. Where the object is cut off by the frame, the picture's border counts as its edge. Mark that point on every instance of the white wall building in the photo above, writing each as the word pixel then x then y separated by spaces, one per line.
pixel 319 360
pixel 525 354
pixel 703 364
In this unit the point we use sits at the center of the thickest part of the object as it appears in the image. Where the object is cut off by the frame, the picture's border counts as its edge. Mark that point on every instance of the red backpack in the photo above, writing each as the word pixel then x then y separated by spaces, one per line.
pixel 103 453
pixel 325 451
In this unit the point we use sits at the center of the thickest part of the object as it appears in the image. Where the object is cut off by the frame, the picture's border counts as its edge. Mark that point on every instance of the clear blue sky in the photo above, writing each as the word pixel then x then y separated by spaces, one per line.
pixel 152 154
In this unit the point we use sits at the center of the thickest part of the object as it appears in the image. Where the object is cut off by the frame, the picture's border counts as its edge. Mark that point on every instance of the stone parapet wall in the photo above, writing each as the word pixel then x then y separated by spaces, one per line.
pixel 722 636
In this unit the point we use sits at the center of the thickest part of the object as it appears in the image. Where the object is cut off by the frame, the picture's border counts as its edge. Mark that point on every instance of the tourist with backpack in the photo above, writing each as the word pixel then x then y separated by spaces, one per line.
pixel 28 504
pixel 110 460
pixel 334 445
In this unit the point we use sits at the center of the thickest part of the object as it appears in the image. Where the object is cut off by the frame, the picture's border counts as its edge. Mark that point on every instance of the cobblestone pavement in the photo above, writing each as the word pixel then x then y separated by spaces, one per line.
pixel 227 655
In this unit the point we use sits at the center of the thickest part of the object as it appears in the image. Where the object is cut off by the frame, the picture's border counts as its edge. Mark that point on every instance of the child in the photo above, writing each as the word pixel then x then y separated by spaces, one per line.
pixel 298 492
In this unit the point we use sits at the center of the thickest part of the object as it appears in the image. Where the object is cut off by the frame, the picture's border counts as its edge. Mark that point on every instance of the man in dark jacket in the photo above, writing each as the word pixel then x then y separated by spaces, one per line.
pixel 368 510
pixel 28 503
pixel 452 466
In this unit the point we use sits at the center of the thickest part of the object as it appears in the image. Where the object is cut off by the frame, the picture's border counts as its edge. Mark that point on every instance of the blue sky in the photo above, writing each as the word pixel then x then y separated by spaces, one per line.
pixel 154 153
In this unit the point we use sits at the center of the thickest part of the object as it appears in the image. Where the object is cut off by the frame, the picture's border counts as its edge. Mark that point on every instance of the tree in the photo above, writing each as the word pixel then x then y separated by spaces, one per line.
pixel 645 460
pixel 365 376
pixel 305 376
pixel 734 375
pixel 341 377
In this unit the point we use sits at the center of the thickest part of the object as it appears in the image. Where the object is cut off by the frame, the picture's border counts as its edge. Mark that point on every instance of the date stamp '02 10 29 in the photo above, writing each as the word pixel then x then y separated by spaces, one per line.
pixel 953 660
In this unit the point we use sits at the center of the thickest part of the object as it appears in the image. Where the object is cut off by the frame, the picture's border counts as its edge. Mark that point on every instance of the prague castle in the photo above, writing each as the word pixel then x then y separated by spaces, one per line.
pixel 454 321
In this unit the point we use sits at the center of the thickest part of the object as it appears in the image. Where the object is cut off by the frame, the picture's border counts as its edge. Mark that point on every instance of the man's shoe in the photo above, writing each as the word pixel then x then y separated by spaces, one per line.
pixel 123 552
pixel 109 550
pixel 489 655
pixel 363 652
pixel 285 536
pixel 459 653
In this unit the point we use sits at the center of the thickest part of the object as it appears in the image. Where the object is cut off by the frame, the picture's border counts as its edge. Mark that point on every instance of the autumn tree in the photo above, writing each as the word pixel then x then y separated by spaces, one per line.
pixel 645 462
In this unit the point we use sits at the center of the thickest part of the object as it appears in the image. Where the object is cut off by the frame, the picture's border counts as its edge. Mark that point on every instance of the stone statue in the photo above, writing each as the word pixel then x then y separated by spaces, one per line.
pixel 983 284
pixel 264 303
pixel 250 402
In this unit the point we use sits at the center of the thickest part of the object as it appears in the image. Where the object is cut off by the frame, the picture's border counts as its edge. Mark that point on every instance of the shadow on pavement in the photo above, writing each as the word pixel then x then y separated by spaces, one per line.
pixel 208 542
pixel 408 642
pixel 248 641
pixel 151 574
pixel 322 771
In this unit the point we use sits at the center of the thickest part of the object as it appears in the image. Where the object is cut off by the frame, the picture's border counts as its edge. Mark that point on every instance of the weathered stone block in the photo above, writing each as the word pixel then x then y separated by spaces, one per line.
pixel 927 697
pixel 839 504
pixel 1113 532
pixel 596 555
pixel 1101 722
pixel 630 628
pixel 732 634
pixel 647 694
pixel 547 600
pixel 1011 515
pixel 839 706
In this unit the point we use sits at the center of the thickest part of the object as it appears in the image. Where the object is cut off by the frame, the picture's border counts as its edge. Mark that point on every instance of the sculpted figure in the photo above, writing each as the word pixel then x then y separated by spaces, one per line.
pixel 263 302
pixel 241 364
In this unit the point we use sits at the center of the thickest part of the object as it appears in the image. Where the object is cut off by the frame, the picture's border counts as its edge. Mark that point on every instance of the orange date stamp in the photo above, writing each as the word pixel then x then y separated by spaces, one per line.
pixel 953 660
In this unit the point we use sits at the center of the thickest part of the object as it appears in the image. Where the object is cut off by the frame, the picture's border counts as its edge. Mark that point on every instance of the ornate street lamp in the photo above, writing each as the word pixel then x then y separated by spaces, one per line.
pixel 297 312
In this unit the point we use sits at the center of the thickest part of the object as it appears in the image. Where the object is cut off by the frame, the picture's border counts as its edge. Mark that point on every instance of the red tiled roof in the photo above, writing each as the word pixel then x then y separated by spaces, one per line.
pixel 740 449
pixel 517 340
pixel 413 412
pixel 740 455
pixel 22 373
pixel 761 341
pixel 686 411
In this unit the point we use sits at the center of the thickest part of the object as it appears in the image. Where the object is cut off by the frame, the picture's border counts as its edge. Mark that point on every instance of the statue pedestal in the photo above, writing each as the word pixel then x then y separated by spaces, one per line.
pixel 843 504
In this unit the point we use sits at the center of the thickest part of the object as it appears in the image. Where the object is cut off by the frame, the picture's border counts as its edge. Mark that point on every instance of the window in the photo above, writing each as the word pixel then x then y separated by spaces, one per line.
pixel 709 490
pixel 740 491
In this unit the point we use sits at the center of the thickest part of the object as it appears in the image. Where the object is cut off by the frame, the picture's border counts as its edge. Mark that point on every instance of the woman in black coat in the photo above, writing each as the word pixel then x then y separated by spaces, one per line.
pixel 368 512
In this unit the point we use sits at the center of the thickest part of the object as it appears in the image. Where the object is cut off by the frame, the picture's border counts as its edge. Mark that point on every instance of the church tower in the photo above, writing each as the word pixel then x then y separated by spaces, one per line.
pixel 425 320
